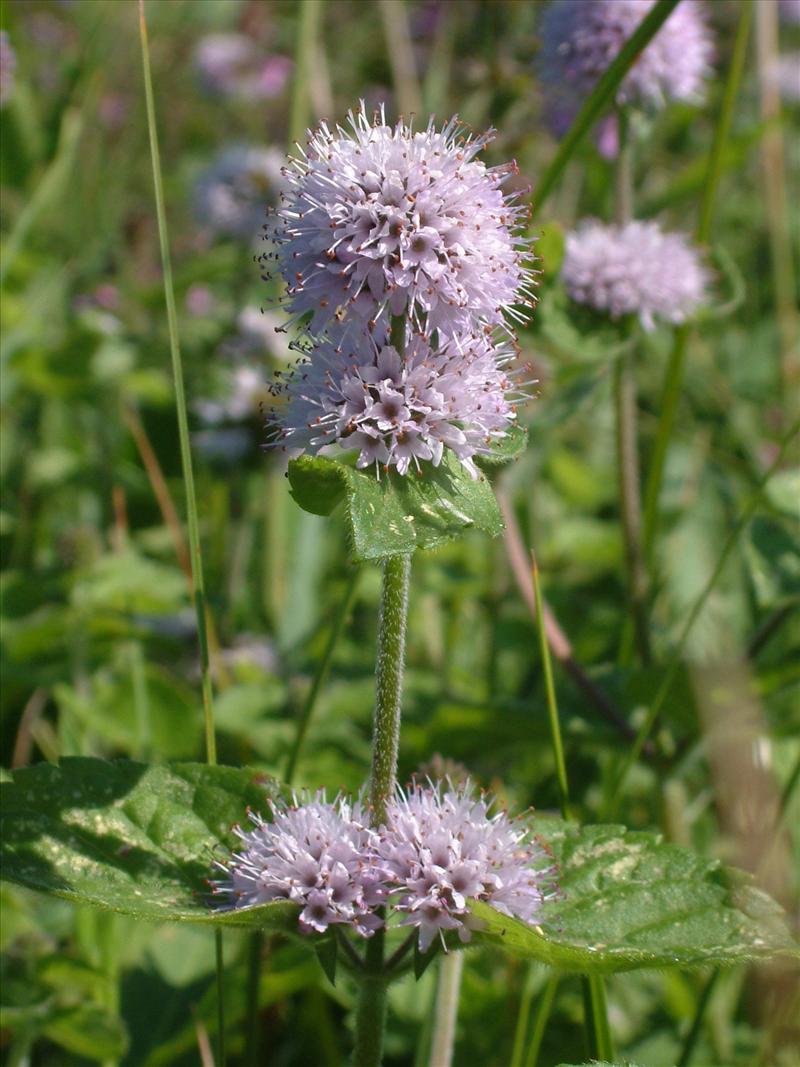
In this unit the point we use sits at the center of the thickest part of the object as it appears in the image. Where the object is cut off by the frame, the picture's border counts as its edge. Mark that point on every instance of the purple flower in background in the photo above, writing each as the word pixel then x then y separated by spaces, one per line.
pixel 399 411
pixel 789 10
pixel 785 72
pixel 8 67
pixel 232 194
pixel 581 38
pixel 230 64
pixel 442 846
pixel 382 219
pixel 635 269
pixel 318 855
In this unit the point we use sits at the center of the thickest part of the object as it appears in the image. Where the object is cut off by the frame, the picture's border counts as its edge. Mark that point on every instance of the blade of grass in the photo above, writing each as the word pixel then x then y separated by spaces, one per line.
pixel 320 676
pixel 600 1046
pixel 446 1014
pixel 673 378
pixel 401 55
pixel 697 1022
pixel 310 13
pixel 602 96
pixel 198 586
pixel 543 1009
pixel 649 721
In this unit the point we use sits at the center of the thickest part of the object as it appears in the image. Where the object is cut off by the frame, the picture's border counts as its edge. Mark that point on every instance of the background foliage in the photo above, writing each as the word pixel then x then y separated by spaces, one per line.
pixel 99 643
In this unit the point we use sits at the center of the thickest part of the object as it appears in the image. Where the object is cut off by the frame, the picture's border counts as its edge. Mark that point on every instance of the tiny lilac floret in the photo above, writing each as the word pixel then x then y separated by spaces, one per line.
pixel 381 220
pixel 636 269
pixel 400 411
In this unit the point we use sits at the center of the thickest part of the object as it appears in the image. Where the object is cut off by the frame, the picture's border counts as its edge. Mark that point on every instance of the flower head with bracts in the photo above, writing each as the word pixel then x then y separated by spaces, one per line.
pixel 397 411
pixel 383 220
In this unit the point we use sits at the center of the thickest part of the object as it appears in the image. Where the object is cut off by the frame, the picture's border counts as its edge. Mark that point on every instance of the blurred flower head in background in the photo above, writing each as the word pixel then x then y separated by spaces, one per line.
pixel 397 411
pixel 382 220
pixel 442 846
pixel 242 391
pixel 635 269
pixel 231 195
pixel 581 38
pixel 8 67
pixel 232 65
pixel 789 10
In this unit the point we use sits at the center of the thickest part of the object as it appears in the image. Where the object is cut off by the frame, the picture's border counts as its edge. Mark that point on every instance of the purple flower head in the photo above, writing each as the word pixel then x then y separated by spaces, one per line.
pixel 382 219
pixel 397 411
pixel 442 846
pixel 230 64
pixel 319 855
pixel 581 38
pixel 789 10
pixel 231 195
pixel 8 68
pixel 635 269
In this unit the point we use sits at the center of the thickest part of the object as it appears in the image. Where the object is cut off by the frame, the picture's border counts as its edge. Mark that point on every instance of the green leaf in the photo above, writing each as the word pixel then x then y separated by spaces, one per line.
pixel 630 901
pixel 131 838
pixel 89 1031
pixel 393 514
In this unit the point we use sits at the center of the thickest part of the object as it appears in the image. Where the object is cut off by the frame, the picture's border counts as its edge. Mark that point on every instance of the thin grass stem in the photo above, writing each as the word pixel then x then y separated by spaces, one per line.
pixel 602 96
pixel 400 51
pixel 447 994
pixel 320 676
pixel 310 13
pixel 595 1007
pixel 664 689
pixel 550 690
pixel 697 1022
pixel 543 1009
pixel 673 378
pixel 198 587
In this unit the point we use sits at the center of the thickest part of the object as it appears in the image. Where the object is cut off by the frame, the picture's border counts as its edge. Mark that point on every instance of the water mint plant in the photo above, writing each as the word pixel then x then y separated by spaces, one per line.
pixel 378 864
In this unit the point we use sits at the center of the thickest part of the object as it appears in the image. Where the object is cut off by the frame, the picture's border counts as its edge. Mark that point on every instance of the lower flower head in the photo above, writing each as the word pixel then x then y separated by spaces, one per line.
pixel 399 411
pixel 318 855
pixel 442 846
pixel 635 269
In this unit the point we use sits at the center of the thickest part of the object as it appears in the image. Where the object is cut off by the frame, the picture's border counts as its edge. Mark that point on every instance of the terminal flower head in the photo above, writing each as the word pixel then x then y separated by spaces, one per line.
pixel 383 220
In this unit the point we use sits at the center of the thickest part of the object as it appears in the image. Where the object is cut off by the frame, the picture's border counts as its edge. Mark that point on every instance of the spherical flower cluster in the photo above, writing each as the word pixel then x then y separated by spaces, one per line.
pixel 8 67
pixel 581 38
pixel 230 64
pixel 635 269
pixel 232 194
pixel 318 855
pixel 382 220
pixel 397 411
pixel 440 847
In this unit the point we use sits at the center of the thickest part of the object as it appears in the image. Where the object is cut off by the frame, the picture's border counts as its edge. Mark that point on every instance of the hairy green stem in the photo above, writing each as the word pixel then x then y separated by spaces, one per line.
pixel 371 1006
pixel 673 378
pixel 389 683
pixel 198 584
pixel 447 993
pixel 320 676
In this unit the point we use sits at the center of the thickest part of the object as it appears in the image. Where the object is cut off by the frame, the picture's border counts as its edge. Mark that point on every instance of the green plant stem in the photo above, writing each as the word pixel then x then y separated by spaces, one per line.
pixel 180 402
pixel 371 1006
pixel 308 20
pixel 595 1013
pixel 596 1010
pixel 602 96
pixel 697 1022
pixel 673 377
pixel 543 1009
pixel 550 690
pixel 320 676
pixel 447 994
pixel 389 683
pixel 633 753
pixel 255 949
pixel 198 585
pixel 523 1016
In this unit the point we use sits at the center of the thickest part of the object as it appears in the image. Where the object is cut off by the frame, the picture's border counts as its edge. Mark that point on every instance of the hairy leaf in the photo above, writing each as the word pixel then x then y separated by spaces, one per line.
pixel 393 514
pixel 630 900
pixel 131 838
